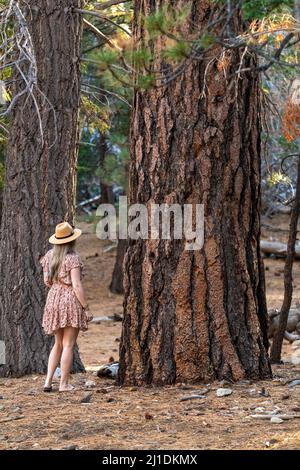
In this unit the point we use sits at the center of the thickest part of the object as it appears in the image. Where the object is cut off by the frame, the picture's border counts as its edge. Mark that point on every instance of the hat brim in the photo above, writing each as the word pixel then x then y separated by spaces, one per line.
pixel 61 241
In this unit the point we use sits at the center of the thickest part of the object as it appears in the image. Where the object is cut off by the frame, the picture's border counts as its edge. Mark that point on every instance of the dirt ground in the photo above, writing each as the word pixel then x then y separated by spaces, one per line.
pixel 150 417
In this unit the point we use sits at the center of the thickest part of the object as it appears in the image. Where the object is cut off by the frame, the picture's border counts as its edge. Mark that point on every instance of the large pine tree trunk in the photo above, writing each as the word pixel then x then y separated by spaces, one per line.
pixel 40 181
pixel 196 315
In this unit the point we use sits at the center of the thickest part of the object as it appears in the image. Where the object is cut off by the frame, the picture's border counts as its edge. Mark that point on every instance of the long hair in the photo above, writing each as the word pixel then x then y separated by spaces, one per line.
pixel 59 252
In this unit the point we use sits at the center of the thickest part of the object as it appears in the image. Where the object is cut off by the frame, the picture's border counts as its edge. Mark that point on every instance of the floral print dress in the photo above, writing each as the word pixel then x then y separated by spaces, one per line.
pixel 62 306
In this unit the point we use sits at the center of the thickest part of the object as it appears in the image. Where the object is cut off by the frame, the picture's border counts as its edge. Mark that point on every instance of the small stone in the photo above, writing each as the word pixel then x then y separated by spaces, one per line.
pixel 223 392
pixel 159 429
pixel 228 430
pixel 259 409
pixel 224 382
pixel 90 384
pixel 1 397
pixel 276 420
pixel 294 383
pixel 87 398
pixel 271 442
pixel 148 416
pixel 244 382
pixel 285 397
pixel 32 392
pixel 16 409
pixel 202 391
pixel 264 392
pixel 70 447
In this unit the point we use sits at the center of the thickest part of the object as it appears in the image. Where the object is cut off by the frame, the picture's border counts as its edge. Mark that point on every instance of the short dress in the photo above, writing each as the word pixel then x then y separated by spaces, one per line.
pixel 62 306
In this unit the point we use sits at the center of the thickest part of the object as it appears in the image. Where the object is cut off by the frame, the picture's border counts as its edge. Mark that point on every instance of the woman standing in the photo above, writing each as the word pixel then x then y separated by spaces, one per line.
pixel 66 310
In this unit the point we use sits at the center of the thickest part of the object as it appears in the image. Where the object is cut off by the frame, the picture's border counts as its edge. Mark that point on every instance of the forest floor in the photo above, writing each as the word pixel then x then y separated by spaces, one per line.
pixel 151 417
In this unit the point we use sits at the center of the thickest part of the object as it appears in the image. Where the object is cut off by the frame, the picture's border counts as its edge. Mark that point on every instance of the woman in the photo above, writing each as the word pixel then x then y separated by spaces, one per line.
pixel 66 310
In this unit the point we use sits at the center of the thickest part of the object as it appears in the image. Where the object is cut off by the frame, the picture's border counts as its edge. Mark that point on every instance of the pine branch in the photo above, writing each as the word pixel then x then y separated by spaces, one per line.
pixel 102 17
pixel 103 6
pixel 99 33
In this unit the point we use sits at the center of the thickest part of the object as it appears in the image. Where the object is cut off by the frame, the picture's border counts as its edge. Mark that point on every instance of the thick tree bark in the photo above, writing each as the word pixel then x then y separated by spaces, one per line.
pixel 116 285
pixel 288 277
pixel 40 181
pixel 193 316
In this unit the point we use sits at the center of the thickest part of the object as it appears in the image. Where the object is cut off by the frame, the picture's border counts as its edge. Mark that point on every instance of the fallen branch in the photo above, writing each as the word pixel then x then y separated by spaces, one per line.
pixel 6 420
pixel 275 229
pixel 277 248
pixel 88 201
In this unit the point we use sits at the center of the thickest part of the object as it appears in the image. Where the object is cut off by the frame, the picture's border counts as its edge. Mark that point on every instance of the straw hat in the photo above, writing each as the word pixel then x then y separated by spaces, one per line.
pixel 64 233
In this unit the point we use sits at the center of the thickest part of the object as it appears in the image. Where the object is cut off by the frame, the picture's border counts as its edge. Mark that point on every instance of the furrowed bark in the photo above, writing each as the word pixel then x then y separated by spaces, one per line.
pixel 40 181
pixel 192 316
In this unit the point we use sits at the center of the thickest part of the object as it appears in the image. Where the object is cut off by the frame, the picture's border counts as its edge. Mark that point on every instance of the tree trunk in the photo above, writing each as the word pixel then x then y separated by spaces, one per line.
pixel 1 204
pixel 288 277
pixel 106 192
pixel 40 181
pixel 193 316
pixel 297 9
pixel 116 285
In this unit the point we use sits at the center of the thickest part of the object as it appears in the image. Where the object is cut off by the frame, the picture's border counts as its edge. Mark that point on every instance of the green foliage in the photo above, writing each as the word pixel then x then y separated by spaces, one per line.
pixel 165 20
pixel 140 57
pixel 178 51
pixel 114 168
pixel 257 9
pixel 96 116
pixel 253 9
pixel 145 81
pixel 206 40
pixel 108 57
pixel 277 177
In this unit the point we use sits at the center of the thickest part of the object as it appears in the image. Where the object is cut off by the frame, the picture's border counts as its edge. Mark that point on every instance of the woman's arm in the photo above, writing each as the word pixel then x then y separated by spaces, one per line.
pixel 77 286
pixel 46 280
pixel 78 289
pixel 45 264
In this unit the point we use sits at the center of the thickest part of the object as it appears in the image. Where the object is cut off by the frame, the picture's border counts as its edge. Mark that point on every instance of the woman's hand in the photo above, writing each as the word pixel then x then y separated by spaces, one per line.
pixel 89 315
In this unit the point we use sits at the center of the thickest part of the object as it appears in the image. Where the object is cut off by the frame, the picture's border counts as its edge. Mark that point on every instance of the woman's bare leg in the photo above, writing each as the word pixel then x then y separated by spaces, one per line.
pixel 54 356
pixel 69 339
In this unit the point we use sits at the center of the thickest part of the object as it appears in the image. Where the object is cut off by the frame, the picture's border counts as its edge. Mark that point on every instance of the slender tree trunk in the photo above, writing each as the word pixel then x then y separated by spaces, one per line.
pixel 107 195
pixel 1 204
pixel 288 276
pixel 116 285
pixel 297 9
pixel 193 316
pixel 40 181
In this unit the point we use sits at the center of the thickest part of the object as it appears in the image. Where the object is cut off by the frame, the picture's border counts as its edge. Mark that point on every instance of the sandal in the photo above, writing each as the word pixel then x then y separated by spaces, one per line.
pixel 47 389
